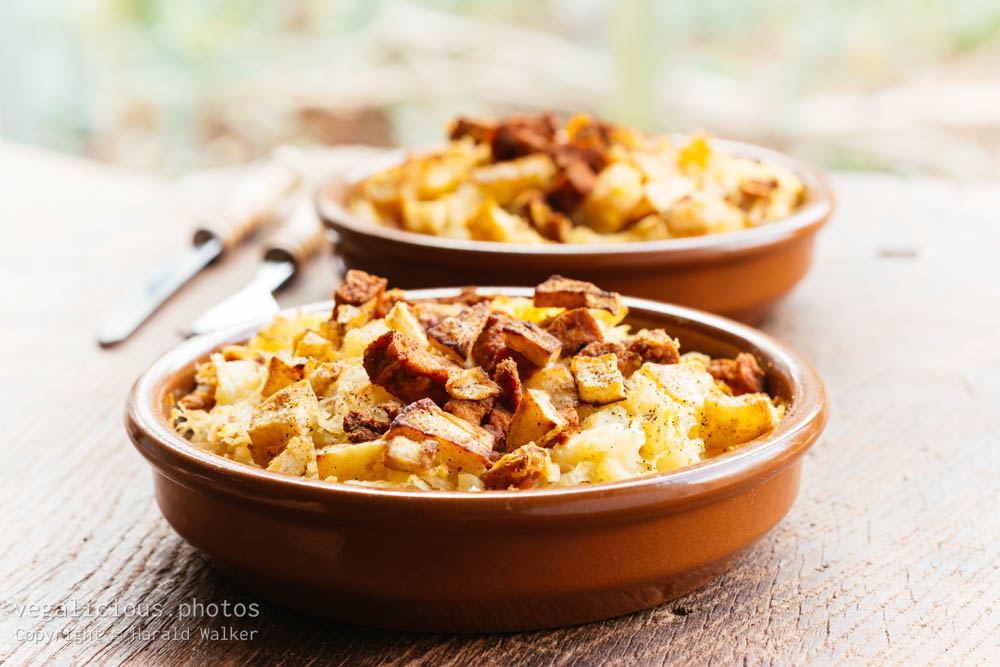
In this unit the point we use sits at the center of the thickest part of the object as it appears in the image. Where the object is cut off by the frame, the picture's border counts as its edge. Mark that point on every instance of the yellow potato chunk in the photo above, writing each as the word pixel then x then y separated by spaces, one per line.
pixel 298 458
pixel 282 416
pixel 401 453
pixel 617 191
pixel 503 181
pixel 598 379
pixel 535 420
pixel 323 376
pixel 312 345
pixel 730 421
pixel 492 223
pixel 281 374
pixel 688 383
pixel 360 461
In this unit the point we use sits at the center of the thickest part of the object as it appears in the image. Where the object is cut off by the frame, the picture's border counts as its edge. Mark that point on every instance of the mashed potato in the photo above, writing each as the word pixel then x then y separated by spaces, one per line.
pixel 391 393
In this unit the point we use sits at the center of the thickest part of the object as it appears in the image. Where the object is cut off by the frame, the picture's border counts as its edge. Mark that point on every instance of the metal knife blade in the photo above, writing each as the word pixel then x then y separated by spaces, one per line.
pixel 142 302
pixel 252 303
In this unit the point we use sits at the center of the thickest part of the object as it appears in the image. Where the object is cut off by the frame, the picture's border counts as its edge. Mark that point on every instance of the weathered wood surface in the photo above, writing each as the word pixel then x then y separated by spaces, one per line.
pixel 890 554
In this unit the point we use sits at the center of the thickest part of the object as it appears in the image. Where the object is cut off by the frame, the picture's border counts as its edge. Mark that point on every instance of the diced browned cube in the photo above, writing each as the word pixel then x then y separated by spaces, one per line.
pixel 574 329
pixel 524 468
pixel 490 341
pixel 655 346
pixel 471 384
pixel 498 424
pixel 461 445
pixel 370 424
pixel 471 411
pixel 575 181
pixel 385 302
pixel 402 453
pixel 598 379
pixel 281 374
pixel 282 416
pixel 743 374
pixel 568 293
pixel 456 335
pixel 432 313
pixel 529 339
pixel 508 378
pixel 396 362
pixel 359 288
pixel 480 131
pixel 536 420
pixel 628 362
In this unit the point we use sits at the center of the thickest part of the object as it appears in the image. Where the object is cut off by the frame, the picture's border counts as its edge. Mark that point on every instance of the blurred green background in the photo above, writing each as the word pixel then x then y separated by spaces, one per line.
pixel 166 86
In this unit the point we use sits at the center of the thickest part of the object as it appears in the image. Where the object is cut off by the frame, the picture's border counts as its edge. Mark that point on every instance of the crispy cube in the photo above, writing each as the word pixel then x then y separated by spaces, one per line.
pixel 508 378
pixel 490 341
pixel 455 335
pixel 529 339
pixel 281 374
pixel 655 346
pixel 297 458
pixel 361 461
pixel 401 453
pixel 359 288
pixel 395 362
pixel 536 420
pixel 568 293
pixel 628 362
pixel 574 329
pixel 743 374
pixel 282 416
pixel 369 424
pixel 472 384
pixel 524 468
pixel 463 446
pixel 598 379
pixel 471 411
pixel 312 345
pixel 430 313
pixel 347 317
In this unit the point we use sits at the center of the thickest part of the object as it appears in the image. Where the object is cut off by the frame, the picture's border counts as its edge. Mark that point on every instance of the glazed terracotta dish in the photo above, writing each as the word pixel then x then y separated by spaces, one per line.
pixel 471 561
pixel 476 394
pixel 731 232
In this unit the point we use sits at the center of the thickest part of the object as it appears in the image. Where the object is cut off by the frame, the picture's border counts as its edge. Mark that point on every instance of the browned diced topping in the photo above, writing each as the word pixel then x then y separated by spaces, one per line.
pixel 471 384
pixel 395 362
pixel 574 329
pixel 432 313
pixel 655 346
pixel 590 144
pixel 498 424
pixel 359 288
pixel 461 444
pixel 532 341
pixel 507 376
pixel 198 400
pixel 479 131
pixel 370 425
pixel 387 300
pixel 628 361
pixel 457 334
pixel 551 224
pixel 490 342
pixel 743 374
pixel 523 135
pixel 471 411
pixel 572 185
pixel 280 417
pixel 568 293
pixel 524 468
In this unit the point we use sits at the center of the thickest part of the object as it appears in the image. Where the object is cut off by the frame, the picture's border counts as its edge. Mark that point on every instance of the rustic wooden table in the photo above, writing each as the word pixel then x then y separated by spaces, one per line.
pixel 891 553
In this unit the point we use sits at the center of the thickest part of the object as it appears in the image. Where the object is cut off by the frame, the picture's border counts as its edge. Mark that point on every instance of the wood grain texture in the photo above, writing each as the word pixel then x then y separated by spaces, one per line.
pixel 890 554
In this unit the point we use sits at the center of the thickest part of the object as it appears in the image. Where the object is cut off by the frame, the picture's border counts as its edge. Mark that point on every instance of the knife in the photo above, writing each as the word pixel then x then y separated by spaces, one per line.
pixel 248 206
pixel 285 252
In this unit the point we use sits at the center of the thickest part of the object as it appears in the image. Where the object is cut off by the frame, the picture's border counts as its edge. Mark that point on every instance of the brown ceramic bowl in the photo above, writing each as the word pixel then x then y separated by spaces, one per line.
pixel 492 561
pixel 738 274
